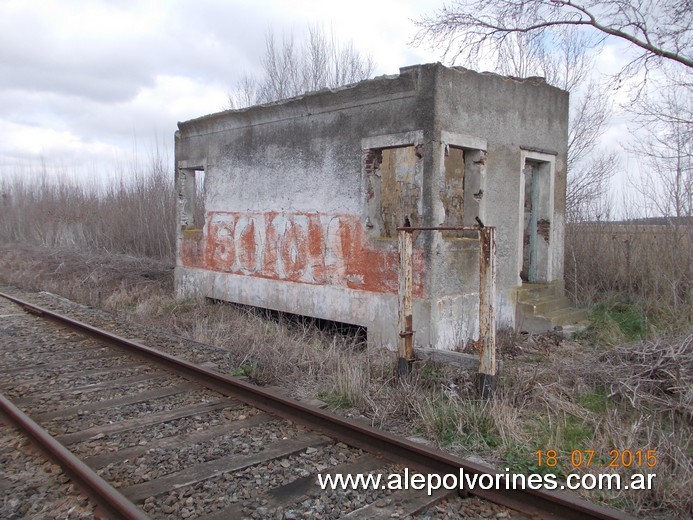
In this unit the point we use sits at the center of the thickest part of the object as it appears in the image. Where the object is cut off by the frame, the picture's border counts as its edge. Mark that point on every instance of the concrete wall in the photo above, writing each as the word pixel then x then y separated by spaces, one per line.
pixel 302 197
pixel 517 119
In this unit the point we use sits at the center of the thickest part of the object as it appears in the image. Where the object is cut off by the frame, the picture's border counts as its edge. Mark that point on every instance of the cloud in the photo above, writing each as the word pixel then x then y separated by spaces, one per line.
pixel 108 51
pixel 83 79
pixel 23 143
pixel 71 51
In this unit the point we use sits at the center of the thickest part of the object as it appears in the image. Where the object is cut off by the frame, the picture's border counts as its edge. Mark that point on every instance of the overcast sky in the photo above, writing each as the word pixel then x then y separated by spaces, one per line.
pixel 84 82
pixel 87 82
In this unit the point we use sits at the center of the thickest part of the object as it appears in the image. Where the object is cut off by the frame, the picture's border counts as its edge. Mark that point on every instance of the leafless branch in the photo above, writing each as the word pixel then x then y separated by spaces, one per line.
pixel 659 29
pixel 296 65
pixel 665 147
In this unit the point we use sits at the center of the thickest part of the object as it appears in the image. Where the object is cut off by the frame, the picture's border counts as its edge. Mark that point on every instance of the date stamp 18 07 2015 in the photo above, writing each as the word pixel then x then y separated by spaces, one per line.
pixel 590 458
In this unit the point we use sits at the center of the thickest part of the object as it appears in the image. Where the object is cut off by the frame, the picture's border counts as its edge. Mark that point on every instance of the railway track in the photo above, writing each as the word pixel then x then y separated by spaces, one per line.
pixel 147 434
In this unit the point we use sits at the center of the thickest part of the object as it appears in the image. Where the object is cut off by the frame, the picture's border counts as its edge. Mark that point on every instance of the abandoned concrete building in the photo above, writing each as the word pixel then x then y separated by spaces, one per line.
pixel 301 199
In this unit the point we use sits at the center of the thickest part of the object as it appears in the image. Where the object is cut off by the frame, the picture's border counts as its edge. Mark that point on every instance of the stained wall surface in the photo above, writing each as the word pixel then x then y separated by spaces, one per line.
pixel 302 198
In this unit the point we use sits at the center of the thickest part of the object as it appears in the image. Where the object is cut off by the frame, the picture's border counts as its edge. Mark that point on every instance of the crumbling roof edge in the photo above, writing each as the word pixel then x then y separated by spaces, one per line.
pixel 287 101
pixel 410 70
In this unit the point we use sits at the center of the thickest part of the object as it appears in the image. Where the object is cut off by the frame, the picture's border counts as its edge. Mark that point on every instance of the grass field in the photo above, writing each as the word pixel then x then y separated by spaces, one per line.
pixel 624 384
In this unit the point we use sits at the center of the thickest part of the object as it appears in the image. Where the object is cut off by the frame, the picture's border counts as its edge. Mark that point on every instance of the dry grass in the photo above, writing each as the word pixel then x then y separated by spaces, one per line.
pixel 636 396
pixel 100 279
pixel 113 249
pixel 133 217
pixel 651 265
pixel 652 375
pixel 552 394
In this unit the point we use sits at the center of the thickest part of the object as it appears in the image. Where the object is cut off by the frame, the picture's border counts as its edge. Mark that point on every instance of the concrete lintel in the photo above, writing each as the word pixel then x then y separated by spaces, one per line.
pixel 463 140
pixel 539 152
pixel 385 141
pixel 184 164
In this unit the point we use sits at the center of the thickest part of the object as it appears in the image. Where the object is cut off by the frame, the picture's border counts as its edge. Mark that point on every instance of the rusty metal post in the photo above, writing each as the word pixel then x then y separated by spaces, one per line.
pixel 405 346
pixel 486 382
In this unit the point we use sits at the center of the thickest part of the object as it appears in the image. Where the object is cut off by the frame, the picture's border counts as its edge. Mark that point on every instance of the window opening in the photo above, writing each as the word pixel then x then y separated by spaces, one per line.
pixel 191 194
pixel 462 196
pixel 393 190
pixel 199 203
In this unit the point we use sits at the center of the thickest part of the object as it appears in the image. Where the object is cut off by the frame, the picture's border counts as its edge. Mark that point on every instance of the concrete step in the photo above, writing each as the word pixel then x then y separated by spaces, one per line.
pixel 531 291
pixel 569 321
pixel 532 323
pixel 564 317
pixel 539 324
pixel 541 306
pixel 569 330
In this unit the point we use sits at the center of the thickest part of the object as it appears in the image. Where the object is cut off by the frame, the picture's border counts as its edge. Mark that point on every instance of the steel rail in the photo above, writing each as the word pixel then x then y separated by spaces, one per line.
pixel 110 500
pixel 549 504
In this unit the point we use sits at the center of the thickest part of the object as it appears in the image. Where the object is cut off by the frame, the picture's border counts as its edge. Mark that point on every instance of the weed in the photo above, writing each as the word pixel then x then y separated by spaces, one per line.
pixel 518 459
pixel 336 400
pixel 478 424
pixel 245 370
pixel 178 306
pixel 562 433
pixel 575 434
pixel 594 400
pixel 567 398
pixel 431 372
pixel 134 218
pixel 439 418
pixel 349 383
pixel 648 264
pixel 616 321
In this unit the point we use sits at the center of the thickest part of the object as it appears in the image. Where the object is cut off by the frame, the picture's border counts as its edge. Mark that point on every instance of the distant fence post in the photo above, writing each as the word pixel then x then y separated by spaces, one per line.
pixel 486 382
pixel 405 346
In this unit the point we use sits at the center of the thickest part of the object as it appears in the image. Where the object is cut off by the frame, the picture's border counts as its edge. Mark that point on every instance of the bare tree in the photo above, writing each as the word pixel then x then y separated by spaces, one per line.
pixel 566 61
pixel 291 67
pixel 590 166
pixel 568 65
pixel 665 147
pixel 660 30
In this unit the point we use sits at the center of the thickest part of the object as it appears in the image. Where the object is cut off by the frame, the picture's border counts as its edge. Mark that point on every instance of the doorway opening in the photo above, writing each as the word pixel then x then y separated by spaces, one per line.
pixel 537 207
